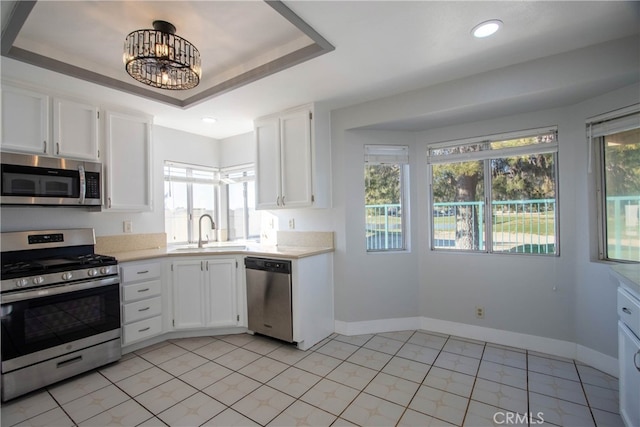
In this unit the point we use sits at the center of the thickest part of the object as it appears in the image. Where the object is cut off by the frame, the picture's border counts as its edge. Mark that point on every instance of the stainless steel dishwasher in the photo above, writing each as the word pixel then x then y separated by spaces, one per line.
pixel 269 297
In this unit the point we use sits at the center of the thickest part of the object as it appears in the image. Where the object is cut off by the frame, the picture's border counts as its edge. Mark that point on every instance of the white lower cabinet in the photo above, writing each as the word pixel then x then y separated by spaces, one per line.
pixel 204 293
pixel 312 299
pixel 629 361
pixel 629 355
pixel 141 300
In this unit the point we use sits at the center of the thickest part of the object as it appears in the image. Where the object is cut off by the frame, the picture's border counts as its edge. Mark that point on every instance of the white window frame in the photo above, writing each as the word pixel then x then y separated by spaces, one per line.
pixel 190 180
pixel 378 154
pixel 598 128
pixel 248 172
pixel 486 154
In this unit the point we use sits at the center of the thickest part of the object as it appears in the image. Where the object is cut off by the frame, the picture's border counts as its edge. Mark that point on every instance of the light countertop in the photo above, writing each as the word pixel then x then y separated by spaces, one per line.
pixel 629 274
pixel 288 252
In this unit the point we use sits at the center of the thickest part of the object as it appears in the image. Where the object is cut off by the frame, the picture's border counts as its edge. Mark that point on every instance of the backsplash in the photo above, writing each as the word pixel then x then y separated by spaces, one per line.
pixel 130 242
pixel 306 239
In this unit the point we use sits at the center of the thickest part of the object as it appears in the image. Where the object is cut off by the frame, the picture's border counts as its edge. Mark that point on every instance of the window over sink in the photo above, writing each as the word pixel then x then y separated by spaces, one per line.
pixel 190 191
pixel 243 220
pixel 227 194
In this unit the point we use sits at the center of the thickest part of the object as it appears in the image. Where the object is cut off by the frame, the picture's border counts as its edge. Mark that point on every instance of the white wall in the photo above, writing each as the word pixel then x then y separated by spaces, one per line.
pixel 167 144
pixel 567 298
pixel 238 150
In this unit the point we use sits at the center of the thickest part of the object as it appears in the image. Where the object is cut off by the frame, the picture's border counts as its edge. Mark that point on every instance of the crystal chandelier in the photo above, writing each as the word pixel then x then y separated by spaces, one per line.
pixel 161 59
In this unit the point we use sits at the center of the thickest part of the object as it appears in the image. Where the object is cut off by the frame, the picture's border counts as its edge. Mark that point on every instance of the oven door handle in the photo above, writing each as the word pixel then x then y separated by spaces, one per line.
pixel 58 290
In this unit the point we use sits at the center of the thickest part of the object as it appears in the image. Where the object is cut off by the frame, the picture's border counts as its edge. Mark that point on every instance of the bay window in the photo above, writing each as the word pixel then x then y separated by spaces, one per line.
pixel 495 194
pixel 386 175
pixel 616 141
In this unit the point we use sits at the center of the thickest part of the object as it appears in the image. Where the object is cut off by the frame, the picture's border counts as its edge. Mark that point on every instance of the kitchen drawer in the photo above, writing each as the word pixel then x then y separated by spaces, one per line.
pixel 138 310
pixel 135 272
pixel 629 310
pixel 141 290
pixel 141 330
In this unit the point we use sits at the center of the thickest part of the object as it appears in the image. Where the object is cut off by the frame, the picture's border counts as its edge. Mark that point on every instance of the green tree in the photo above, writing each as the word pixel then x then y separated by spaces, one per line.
pixel 622 163
pixel 513 178
pixel 382 184
pixel 461 182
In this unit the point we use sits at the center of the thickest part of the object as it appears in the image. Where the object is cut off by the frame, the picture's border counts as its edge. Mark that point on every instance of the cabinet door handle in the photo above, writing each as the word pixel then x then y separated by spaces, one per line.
pixel 626 310
pixel 207 265
pixel 144 309
pixel 143 272
pixel 282 200
pixel 143 290
pixel 635 360
pixel 144 329
pixel 278 200
pixel 109 199
pixel 57 148
pixel 45 146
pixel 201 265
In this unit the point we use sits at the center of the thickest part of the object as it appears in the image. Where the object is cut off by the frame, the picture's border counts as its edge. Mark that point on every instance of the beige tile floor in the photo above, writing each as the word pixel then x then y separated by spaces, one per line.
pixel 406 378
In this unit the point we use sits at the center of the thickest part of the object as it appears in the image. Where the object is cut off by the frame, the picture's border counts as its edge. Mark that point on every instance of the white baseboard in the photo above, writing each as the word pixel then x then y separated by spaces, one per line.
pixel 377 326
pixel 498 336
pixel 537 343
pixel 597 360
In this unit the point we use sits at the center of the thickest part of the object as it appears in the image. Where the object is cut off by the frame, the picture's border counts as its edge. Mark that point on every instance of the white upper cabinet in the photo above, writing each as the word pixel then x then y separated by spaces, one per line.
pixel 30 125
pixel 75 129
pixel 295 159
pixel 128 162
pixel 268 175
pixel 289 155
pixel 25 121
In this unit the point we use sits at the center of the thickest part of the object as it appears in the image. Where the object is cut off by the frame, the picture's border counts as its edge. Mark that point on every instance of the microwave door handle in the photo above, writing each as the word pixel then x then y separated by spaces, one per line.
pixel 83 184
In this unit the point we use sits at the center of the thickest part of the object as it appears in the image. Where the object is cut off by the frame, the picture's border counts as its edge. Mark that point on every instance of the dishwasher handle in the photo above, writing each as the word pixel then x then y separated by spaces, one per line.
pixel 270 265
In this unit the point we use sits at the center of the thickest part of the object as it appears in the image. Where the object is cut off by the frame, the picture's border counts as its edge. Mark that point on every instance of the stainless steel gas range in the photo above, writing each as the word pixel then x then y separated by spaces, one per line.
pixel 60 308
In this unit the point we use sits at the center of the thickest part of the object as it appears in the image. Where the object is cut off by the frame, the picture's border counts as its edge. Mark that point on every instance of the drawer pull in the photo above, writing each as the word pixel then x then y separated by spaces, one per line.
pixel 144 309
pixel 635 357
pixel 143 272
pixel 68 362
pixel 144 329
pixel 143 290
pixel 626 310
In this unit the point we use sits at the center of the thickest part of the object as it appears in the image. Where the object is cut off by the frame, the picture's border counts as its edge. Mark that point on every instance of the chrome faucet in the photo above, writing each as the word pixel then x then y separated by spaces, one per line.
pixel 213 227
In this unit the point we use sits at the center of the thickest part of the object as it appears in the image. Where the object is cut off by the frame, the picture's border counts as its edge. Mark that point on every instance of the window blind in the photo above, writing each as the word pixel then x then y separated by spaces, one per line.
pixel 386 154
pixel 240 173
pixel 613 122
pixel 614 125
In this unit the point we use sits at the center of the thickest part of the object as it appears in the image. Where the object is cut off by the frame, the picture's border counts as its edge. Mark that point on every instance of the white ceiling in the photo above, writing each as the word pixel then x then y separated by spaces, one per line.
pixel 381 48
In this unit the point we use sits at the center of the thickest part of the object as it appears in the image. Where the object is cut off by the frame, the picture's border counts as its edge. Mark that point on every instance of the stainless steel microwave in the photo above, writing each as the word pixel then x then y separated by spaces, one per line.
pixel 38 180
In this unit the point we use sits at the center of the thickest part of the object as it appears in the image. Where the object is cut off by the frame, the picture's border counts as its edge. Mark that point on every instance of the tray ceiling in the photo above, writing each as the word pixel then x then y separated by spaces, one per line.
pixel 239 41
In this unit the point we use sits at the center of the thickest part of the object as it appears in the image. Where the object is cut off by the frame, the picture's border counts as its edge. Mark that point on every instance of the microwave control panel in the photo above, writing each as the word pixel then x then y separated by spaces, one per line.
pixel 93 185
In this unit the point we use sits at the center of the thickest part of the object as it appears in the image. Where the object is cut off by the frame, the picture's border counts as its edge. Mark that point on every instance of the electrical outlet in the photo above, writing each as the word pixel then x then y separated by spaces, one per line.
pixel 480 312
pixel 127 226
pixel 292 224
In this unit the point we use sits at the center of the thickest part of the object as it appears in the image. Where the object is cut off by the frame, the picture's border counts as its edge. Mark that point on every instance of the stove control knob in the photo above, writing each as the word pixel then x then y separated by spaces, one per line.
pixel 21 282
pixel 104 270
pixel 92 272
pixel 67 276
pixel 38 280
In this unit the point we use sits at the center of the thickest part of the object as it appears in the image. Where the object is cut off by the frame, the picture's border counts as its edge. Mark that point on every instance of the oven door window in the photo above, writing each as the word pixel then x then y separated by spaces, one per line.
pixel 37 324
pixel 39 182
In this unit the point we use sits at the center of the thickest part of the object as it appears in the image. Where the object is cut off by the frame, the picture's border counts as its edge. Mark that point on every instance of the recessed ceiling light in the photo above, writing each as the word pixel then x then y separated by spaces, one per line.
pixel 486 28
pixel 209 119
